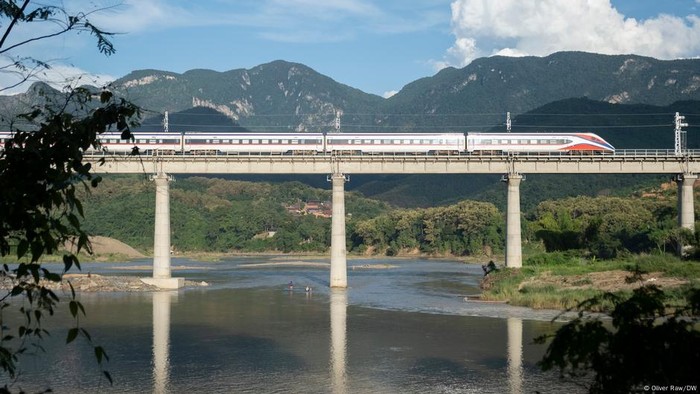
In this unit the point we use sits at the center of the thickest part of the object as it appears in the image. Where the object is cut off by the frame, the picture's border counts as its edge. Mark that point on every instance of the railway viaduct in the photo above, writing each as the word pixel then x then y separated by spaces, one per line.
pixel 684 168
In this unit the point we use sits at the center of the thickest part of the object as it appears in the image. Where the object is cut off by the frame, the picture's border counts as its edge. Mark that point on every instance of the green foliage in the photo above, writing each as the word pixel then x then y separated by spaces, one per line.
pixel 216 215
pixel 462 229
pixel 648 343
pixel 604 226
pixel 41 172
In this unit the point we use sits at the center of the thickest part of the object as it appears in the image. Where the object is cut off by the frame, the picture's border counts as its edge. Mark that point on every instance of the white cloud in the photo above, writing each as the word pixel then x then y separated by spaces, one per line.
pixel 519 28
pixel 58 76
pixel 389 93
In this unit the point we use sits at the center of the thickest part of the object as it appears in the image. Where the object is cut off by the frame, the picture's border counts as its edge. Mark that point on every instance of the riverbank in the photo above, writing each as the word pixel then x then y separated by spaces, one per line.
pixel 564 286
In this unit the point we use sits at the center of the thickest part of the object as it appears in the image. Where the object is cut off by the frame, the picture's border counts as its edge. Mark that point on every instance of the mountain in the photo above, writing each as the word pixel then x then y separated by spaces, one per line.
pixel 284 96
pixel 280 96
pixel 197 118
pixel 277 96
pixel 480 93
pixel 625 126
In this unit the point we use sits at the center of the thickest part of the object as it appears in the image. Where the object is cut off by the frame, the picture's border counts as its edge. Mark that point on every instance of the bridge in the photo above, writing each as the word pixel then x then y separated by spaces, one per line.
pixel 684 168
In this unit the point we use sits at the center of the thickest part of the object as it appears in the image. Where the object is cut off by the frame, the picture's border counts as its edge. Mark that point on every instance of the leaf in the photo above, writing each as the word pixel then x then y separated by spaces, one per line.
pixel 105 96
pixel 100 354
pixel 73 305
pixel 67 262
pixel 72 334
pixel 22 248
pixel 109 377
pixel 50 276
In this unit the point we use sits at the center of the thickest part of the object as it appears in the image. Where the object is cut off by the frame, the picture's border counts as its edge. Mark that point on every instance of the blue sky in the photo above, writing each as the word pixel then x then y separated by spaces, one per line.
pixel 377 46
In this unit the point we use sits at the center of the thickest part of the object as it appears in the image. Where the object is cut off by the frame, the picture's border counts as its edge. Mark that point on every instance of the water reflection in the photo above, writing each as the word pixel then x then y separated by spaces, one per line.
pixel 515 354
pixel 161 340
pixel 339 304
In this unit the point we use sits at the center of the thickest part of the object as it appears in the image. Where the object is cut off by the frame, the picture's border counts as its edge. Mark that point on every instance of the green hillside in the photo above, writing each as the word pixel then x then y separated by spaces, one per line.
pixel 215 215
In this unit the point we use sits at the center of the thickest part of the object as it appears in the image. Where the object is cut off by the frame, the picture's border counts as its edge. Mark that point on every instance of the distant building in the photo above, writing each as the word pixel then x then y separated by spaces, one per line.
pixel 312 207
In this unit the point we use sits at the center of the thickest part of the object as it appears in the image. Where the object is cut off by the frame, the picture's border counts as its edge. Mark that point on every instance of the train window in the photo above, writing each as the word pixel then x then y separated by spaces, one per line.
pixel 245 142
pixel 295 142
pixel 377 142
pixel 275 141
pixel 533 141
pixel 486 142
pixel 215 141
pixel 265 141
pixel 368 141
pixel 397 142
pixel 357 142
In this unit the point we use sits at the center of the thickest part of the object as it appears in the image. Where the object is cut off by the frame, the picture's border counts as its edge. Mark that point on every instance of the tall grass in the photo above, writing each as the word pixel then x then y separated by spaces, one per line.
pixel 512 285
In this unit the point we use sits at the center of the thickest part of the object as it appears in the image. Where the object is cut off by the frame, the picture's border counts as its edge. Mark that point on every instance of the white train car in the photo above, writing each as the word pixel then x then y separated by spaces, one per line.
pixel 375 143
pixel 237 143
pixel 536 142
pixel 4 136
pixel 147 143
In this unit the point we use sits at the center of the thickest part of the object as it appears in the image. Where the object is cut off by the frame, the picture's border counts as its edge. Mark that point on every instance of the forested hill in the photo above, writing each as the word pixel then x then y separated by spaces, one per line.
pixel 284 96
pixel 625 126
pixel 215 215
pixel 289 96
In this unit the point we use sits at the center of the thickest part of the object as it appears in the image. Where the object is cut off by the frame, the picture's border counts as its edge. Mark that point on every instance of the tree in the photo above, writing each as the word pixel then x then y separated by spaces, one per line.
pixel 649 343
pixel 41 167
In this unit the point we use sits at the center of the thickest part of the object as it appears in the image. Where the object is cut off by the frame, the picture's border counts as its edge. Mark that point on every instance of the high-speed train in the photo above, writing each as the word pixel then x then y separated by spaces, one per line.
pixel 351 143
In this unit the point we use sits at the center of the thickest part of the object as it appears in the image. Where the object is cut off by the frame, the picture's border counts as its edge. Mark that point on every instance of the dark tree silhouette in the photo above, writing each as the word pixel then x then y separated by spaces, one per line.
pixel 41 167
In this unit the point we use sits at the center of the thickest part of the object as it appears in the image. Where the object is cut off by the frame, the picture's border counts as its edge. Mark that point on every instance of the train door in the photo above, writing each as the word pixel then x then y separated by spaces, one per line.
pixel 470 142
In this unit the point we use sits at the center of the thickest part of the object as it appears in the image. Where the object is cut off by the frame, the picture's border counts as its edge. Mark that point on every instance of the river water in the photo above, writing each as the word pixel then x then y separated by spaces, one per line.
pixel 404 329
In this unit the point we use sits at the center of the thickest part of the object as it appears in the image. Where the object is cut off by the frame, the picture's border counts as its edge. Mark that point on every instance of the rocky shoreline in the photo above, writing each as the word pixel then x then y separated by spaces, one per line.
pixel 92 283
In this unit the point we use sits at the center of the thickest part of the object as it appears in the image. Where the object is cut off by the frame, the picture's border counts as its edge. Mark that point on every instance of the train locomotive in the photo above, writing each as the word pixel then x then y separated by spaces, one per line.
pixel 201 143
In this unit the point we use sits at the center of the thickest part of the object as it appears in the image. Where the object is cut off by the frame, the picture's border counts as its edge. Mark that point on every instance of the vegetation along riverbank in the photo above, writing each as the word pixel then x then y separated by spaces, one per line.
pixel 563 282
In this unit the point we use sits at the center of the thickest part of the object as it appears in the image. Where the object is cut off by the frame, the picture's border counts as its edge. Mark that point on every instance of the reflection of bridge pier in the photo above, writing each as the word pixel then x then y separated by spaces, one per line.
pixel 515 355
pixel 161 340
pixel 339 304
pixel 339 269
pixel 161 239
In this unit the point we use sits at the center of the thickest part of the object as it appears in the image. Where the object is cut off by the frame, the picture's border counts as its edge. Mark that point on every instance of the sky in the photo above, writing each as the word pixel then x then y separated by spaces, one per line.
pixel 377 46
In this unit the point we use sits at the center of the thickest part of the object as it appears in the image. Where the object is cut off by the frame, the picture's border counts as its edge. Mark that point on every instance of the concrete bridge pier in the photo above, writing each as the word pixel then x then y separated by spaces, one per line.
pixel 686 206
pixel 161 239
pixel 686 203
pixel 514 253
pixel 339 267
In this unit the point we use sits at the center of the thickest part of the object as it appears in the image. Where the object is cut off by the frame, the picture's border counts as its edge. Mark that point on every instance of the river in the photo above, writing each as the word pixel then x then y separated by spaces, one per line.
pixel 405 328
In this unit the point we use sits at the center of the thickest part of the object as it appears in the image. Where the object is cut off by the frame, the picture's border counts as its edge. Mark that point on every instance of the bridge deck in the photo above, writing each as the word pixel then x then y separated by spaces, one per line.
pixel 621 162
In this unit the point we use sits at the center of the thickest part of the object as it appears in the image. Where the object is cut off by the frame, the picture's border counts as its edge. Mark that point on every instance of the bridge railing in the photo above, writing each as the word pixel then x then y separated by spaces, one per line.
pixel 626 153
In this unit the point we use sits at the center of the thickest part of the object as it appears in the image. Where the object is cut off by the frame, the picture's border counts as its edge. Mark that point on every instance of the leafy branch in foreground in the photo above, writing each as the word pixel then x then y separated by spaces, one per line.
pixel 61 22
pixel 647 342
pixel 41 166
pixel 40 170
